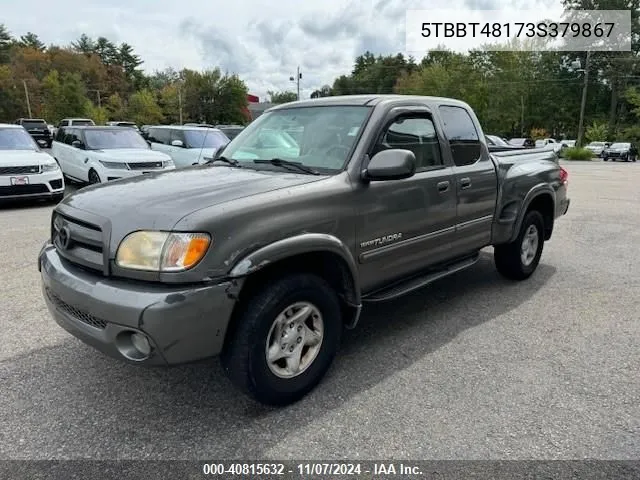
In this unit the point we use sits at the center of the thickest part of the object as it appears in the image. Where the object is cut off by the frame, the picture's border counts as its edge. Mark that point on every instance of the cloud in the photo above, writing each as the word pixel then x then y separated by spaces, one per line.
pixel 263 43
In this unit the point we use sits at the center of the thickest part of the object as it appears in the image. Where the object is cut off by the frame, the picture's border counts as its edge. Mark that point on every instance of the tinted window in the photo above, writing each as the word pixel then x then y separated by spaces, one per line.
pixel 83 123
pixel 177 135
pixel 71 136
pixel 63 123
pixel 30 124
pixel 159 135
pixel 60 134
pixel 416 134
pixel 462 135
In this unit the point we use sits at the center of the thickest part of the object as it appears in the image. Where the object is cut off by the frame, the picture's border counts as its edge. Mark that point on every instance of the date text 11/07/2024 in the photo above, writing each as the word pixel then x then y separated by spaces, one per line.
pixel 278 469
pixel 517 30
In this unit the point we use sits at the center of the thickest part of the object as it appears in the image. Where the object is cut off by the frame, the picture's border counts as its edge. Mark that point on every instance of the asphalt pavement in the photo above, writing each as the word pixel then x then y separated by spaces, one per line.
pixel 472 367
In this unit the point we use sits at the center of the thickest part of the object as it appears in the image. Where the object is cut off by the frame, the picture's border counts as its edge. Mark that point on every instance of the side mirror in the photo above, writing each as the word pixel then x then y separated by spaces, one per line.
pixel 394 164
pixel 77 144
pixel 177 143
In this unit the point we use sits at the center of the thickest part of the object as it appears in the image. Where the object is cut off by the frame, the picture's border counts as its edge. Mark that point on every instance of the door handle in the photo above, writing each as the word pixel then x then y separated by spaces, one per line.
pixel 465 183
pixel 443 186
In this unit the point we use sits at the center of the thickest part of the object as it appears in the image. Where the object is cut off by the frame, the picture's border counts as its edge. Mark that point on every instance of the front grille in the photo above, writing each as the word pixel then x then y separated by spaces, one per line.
pixel 85 242
pixel 56 184
pixel 24 189
pixel 613 154
pixel 24 170
pixel 74 312
pixel 144 165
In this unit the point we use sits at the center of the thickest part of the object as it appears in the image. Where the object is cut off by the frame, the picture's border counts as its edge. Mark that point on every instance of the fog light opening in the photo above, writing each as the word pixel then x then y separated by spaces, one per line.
pixel 133 346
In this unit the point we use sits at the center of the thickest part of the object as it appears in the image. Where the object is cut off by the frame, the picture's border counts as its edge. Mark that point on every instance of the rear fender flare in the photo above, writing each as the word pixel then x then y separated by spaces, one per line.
pixel 542 188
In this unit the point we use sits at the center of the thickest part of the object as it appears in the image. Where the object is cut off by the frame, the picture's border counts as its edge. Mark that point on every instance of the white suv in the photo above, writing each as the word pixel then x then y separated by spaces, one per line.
pixel 25 170
pixel 185 144
pixel 102 154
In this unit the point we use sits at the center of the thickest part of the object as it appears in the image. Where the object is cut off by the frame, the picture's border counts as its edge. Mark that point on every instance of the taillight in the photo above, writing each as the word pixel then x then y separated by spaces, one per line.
pixel 564 176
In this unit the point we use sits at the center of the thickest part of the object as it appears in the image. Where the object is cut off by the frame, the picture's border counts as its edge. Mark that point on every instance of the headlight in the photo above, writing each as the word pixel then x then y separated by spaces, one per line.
pixel 50 167
pixel 167 163
pixel 162 251
pixel 113 165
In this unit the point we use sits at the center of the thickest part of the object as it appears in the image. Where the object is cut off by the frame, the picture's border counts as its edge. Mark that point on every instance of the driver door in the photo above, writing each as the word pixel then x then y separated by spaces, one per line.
pixel 405 226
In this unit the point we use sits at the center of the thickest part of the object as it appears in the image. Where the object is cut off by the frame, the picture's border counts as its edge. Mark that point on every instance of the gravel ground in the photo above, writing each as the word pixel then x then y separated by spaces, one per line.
pixel 473 367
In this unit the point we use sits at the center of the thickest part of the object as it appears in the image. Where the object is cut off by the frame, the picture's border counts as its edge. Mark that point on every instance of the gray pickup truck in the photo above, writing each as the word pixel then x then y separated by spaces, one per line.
pixel 264 255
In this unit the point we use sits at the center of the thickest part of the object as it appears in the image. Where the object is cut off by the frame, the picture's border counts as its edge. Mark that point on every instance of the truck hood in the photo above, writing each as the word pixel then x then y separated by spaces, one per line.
pixel 160 199
pixel 23 158
pixel 131 155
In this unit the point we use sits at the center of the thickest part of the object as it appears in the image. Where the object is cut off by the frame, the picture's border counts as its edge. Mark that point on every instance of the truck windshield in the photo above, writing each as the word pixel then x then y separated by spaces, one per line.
pixel 16 139
pixel 318 137
pixel 106 139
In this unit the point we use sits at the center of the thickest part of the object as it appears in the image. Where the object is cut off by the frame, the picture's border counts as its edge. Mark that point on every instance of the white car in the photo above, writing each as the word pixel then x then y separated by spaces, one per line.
pixel 597 147
pixel 101 154
pixel 186 145
pixel 25 170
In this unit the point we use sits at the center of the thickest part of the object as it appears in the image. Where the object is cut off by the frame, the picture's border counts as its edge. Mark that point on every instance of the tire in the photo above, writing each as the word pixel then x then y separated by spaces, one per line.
pixel 605 159
pixel 93 177
pixel 509 258
pixel 244 357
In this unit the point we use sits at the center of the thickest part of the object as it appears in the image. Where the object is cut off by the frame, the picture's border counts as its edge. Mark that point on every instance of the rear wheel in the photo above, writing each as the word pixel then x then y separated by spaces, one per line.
pixel 519 259
pixel 94 177
pixel 284 339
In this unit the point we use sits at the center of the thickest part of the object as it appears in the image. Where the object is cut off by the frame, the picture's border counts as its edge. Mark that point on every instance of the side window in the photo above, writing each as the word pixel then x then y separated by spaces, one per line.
pixel 70 136
pixel 63 123
pixel 415 133
pixel 60 134
pixel 159 135
pixel 462 135
pixel 177 135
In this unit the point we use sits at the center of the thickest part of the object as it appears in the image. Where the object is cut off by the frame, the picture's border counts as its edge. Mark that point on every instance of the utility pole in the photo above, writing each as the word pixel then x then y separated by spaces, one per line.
pixel 522 115
pixel 180 102
pixel 26 94
pixel 297 80
pixel 583 103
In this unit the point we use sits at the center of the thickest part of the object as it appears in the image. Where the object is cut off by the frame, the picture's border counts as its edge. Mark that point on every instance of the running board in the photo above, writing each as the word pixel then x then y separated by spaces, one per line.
pixel 403 287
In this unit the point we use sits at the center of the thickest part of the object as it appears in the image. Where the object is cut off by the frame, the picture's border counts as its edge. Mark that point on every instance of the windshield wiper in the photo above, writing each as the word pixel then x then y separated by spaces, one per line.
pixel 279 162
pixel 230 161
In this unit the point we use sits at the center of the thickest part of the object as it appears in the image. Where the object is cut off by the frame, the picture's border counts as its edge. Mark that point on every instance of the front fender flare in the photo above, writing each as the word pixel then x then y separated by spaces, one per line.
pixel 296 245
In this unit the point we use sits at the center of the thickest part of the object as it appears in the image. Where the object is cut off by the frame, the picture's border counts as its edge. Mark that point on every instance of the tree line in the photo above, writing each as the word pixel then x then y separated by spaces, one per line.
pixel 519 93
pixel 99 79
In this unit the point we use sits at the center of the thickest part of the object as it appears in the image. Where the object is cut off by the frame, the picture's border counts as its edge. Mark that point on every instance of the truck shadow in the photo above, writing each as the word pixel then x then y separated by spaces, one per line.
pixel 94 406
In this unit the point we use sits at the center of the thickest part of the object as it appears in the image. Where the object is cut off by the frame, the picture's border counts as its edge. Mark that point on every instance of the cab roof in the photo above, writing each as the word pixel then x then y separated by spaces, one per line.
pixel 368 100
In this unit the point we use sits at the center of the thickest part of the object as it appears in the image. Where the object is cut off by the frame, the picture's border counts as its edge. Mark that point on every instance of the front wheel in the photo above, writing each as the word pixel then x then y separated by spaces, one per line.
pixel 284 339
pixel 519 259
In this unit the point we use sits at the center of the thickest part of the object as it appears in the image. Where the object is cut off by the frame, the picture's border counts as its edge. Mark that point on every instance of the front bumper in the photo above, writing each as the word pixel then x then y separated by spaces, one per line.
pixel 182 323
pixel 109 174
pixel 41 185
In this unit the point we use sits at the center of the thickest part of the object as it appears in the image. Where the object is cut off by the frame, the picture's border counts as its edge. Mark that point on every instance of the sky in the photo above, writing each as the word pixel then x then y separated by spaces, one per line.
pixel 262 42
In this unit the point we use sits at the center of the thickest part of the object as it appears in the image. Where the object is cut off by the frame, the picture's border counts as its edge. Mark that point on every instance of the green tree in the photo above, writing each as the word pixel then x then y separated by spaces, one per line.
pixel 64 95
pixel 282 97
pixel 144 109
pixel 325 91
pixel 231 100
pixel 31 40
pixel 99 115
pixel 6 41
pixel 596 132
pixel 84 45
pixel 115 107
